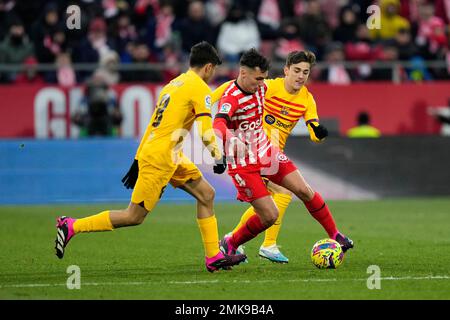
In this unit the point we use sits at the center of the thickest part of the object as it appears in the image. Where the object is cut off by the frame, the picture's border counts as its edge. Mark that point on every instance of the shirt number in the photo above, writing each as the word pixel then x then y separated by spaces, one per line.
pixel 160 110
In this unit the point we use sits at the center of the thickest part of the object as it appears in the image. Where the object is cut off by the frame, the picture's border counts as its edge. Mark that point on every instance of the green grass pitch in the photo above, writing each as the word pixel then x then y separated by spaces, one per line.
pixel 163 258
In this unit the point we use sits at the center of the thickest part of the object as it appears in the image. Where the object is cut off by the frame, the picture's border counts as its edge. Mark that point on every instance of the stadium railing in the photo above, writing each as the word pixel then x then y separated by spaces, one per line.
pixel 394 66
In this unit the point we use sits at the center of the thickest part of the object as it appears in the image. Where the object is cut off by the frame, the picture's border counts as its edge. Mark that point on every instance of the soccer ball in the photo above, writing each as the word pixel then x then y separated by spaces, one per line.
pixel 327 254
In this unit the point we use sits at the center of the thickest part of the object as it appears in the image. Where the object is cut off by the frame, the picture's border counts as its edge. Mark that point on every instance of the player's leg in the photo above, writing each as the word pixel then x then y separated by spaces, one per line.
pixel 266 215
pixel 269 249
pixel 251 188
pixel 146 194
pixel 316 206
pixel 108 220
pixel 189 178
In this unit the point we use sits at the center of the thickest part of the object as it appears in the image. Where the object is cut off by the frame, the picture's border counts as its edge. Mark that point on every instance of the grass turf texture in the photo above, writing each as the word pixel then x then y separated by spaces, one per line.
pixel 163 258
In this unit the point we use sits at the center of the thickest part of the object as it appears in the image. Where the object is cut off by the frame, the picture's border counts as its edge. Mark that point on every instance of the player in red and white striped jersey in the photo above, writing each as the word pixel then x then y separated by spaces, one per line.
pixel 252 156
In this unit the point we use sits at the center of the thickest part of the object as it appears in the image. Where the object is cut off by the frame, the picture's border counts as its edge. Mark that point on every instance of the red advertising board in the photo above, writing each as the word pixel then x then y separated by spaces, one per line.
pixel 44 111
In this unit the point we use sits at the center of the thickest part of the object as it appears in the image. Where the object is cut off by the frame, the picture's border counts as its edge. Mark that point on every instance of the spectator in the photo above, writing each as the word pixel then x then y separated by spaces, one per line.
pixel 14 49
pixel 195 27
pixel 49 48
pixel 405 45
pixel 91 49
pixel 30 74
pixel 216 11
pixel 363 129
pixel 362 47
pixel 391 21
pixel 140 53
pixel 269 19
pixel 237 34
pixel 108 69
pixel 346 30
pixel 46 25
pixel 288 42
pixel 314 28
pixel 431 32
pixel 163 30
pixel 335 73
pixel 99 114
pixel 124 33
pixel 65 75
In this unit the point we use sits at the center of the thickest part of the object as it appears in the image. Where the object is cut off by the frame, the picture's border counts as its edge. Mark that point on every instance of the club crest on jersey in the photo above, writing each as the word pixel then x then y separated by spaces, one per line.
pixel 225 108
pixel 284 110
pixel 208 102
pixel 269 119
pixel 282 157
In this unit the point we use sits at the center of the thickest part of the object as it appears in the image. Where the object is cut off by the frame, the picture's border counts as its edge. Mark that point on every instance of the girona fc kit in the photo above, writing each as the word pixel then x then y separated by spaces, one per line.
pixel 239 116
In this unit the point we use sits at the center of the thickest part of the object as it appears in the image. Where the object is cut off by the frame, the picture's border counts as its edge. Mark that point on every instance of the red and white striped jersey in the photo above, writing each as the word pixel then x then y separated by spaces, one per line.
pixel 243 112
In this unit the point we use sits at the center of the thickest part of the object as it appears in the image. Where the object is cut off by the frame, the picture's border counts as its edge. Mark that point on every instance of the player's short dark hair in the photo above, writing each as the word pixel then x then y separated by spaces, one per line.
pixel 300 56
pixel 203 53
pixel 252 59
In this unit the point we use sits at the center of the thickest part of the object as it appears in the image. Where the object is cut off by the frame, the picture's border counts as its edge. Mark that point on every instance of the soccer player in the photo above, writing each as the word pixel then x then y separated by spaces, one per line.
pixel 241 109
pixel 159 160
pixel 286 101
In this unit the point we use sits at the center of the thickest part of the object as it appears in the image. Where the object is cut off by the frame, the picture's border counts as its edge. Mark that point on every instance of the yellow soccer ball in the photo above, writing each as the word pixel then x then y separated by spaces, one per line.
pixel 327 254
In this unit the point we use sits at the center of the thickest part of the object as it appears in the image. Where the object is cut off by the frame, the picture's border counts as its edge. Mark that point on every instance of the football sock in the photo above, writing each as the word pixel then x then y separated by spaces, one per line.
pixel 210 235
pixel 98 222
pixel 319 210
pixel 282 201
pixel 247 214
pixel 248 231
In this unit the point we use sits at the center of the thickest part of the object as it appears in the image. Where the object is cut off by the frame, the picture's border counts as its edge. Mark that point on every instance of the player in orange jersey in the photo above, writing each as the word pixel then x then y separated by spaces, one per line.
pixel 159 161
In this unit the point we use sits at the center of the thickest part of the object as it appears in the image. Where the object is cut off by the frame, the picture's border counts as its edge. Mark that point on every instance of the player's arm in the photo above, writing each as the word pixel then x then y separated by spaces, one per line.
pixel 231 143
pixel 222 119
pixel 203 118
pixel 317 132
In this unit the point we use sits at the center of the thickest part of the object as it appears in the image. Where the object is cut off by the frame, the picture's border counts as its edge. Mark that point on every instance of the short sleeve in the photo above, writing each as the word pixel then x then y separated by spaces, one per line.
pixel 202 102
pixel 227 107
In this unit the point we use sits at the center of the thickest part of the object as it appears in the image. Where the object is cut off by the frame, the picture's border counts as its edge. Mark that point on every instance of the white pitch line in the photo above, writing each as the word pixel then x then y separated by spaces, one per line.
pixel 140 283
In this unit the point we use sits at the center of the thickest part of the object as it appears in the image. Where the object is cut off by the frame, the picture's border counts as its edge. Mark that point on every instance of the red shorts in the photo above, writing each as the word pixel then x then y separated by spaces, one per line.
pixel 249 179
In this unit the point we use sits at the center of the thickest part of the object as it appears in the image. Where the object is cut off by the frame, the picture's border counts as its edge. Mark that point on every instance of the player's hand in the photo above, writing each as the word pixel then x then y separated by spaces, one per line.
pixel 220 165
pixel 320 131
pixel 130 178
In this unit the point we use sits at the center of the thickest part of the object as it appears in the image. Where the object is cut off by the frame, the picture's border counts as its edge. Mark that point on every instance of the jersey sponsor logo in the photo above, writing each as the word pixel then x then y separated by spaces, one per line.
pixel 269 119
pixel 283 125
pixel 249 125
pixel 208 102
pixel 225 108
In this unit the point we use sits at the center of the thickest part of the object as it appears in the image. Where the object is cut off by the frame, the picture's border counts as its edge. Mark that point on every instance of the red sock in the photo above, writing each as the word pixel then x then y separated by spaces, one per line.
pixel 319 210
pixel 248 231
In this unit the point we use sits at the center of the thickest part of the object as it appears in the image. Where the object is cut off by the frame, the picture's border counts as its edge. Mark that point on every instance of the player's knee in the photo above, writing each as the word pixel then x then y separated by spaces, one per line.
pixel 135 219
pixel 305 193
pixel 207 196
pixel 270 217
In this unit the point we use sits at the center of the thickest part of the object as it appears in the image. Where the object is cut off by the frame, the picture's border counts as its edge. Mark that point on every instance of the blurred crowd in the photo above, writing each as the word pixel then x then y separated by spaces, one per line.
pixel 123 32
